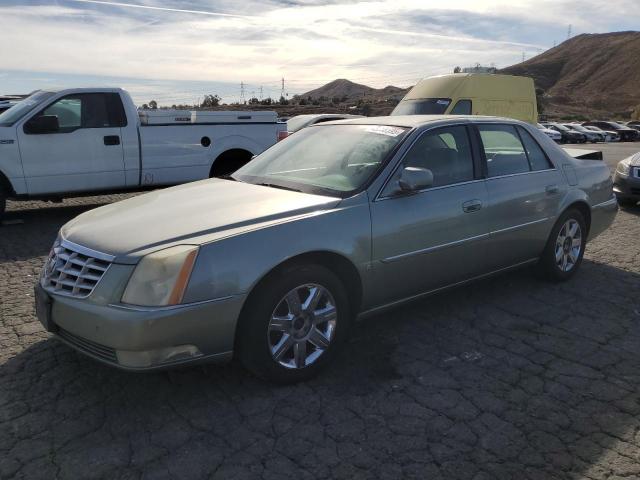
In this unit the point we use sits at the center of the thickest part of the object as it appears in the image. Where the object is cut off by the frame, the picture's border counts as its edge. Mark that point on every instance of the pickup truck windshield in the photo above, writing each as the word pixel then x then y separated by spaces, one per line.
pixel 424 106
pixel 15 113
pixel 324 160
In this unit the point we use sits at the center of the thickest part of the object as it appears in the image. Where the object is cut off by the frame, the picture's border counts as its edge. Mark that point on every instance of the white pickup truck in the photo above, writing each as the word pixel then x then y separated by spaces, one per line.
pixel 57 144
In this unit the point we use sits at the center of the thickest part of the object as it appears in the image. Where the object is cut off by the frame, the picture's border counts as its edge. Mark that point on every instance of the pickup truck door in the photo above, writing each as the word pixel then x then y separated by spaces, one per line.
pixel 84 154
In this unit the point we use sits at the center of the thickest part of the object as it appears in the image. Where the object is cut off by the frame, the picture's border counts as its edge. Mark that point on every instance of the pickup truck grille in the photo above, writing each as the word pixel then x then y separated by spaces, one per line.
pixel 73 270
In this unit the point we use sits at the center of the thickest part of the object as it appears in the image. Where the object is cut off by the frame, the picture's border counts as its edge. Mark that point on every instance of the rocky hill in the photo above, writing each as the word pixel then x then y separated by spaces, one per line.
pixel 591 75
pixel 348 91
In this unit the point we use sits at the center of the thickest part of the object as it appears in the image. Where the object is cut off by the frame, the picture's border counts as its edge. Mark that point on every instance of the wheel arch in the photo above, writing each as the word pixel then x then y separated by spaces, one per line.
pixel 229 161
pixel 583 207
pixel 6 185
pixel 337 263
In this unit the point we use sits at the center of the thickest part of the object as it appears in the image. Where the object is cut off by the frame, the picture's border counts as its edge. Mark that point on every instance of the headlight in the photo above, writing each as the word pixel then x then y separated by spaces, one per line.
pixel 161 278
pixel 624 167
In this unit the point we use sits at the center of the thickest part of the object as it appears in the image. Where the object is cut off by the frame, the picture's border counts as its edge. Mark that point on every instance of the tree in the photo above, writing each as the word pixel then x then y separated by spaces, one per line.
pixel 457 70
pixel 267 101
pixel 153 105
pixel 145 106
pixel 539 100
pixel 284 101
pixel 254 101
pixel 210 101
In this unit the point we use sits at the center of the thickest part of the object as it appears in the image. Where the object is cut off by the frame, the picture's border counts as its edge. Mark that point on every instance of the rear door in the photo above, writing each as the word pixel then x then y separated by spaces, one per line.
pixel 524 188
pixel 86 153
pixel 431 238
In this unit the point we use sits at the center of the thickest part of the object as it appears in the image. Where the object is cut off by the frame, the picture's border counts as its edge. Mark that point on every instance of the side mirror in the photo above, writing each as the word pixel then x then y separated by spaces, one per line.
pixel 42 124
pixel 414 179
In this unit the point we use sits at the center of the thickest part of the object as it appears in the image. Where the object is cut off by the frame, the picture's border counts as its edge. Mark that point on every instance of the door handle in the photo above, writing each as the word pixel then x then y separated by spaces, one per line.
pixel 471 206
pixel 551 189
pixel 110 140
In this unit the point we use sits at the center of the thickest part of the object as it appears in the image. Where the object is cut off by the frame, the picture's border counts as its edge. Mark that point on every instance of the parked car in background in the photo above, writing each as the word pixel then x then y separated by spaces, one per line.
pixel 552 134
pixel 635 126
pixel 626 134
pixel 273 264
pixel 568 135
pixel 626 181
pixel 472 94
pixel 610 135
pixel 593 137
pixel 301 121
pixel 57 144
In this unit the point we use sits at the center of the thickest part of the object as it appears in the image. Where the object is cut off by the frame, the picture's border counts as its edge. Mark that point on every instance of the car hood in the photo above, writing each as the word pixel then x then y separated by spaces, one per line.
pixel 194 213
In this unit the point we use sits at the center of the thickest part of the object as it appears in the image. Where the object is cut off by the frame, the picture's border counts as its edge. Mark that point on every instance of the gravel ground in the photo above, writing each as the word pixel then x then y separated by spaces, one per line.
pixel 508 378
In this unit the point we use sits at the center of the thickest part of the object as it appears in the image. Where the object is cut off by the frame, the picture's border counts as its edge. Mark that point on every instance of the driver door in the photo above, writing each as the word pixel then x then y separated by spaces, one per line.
pixel 432 238
pixel 86 152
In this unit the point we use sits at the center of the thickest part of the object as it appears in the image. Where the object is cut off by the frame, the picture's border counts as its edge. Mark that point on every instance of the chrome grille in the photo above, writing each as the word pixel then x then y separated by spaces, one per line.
pixel 73 270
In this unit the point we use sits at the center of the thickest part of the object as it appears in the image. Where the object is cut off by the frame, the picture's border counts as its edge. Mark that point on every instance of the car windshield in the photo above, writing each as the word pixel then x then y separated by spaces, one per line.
pixel 424 106
pixel 15 113
pixel 326 159
pixel 561 127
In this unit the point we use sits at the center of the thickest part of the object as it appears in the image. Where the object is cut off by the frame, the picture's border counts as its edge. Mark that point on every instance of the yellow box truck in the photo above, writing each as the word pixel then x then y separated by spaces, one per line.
pixel 472 94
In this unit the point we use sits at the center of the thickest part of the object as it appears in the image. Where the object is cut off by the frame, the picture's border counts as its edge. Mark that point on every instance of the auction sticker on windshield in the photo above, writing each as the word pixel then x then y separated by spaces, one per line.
pixel 385 130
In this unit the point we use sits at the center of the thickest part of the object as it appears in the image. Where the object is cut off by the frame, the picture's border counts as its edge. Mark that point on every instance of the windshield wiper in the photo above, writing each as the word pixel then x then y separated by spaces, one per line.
pixel 273 185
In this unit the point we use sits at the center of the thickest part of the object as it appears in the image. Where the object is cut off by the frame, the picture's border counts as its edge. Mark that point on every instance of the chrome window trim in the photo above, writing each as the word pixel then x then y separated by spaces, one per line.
pixel 523 173
pixel 379 196
pixel 430 189
pixel 87 251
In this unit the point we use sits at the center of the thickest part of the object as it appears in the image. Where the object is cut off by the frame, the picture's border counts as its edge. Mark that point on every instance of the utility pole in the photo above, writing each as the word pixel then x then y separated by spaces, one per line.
pixel 523 57
pixel 260 92
pixel 282 91
pixel 242 99
pixel 569 32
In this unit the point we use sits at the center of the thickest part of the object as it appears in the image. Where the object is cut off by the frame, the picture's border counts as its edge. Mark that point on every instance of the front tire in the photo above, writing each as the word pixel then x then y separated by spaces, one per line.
pixel 565 247
pixel 294 324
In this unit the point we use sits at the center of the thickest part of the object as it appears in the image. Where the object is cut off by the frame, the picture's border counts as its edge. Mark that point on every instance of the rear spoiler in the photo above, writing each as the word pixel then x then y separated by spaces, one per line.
pixel 580 154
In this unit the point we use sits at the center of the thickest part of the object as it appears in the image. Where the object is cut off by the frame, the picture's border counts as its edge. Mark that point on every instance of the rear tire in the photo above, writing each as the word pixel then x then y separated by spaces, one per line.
pixel 565 247
pixel 294 324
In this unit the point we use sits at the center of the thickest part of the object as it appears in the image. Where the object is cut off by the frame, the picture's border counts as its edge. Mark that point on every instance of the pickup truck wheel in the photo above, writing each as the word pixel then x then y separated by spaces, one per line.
pixel 3 202
pixel 563 253
pixel 294 324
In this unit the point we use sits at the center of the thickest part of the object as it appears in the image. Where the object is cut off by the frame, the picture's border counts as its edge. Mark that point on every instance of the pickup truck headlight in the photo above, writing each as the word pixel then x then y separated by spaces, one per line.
pixel 161 278
pixel 624 167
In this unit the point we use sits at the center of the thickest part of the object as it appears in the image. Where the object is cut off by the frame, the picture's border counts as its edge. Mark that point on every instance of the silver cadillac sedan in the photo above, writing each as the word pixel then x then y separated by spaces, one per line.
pixel 337 222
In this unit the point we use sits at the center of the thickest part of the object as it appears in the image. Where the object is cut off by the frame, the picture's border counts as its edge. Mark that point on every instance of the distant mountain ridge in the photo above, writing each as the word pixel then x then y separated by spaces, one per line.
pixel 351 91
pixel 591 75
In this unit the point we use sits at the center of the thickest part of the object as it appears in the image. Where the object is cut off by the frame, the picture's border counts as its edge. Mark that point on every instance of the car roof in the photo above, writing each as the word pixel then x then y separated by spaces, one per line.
pixel 414 121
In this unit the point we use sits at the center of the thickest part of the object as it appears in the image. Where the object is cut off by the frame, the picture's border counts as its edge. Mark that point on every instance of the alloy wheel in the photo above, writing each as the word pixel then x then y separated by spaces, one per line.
pixel 568 245
pixel 302 326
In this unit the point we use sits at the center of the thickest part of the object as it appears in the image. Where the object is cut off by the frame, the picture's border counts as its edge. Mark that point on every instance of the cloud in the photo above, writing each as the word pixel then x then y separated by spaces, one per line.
pixel 309 42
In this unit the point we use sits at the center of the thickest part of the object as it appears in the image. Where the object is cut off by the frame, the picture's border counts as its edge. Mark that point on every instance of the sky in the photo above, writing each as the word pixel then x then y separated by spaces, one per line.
pixel 176 51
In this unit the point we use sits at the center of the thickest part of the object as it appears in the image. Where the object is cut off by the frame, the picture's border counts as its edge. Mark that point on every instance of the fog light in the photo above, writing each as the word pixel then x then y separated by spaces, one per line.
pixel 149 358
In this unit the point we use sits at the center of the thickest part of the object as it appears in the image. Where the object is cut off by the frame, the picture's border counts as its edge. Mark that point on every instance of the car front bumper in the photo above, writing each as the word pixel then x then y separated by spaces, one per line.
pixel 141 338
pixel 627 186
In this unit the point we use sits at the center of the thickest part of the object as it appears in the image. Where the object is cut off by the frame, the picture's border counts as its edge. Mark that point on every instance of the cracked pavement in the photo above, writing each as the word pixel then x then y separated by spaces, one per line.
pixel 511 377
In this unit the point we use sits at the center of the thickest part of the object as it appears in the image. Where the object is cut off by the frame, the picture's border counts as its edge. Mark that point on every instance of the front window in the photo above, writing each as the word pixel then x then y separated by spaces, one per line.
pixel 12 115
pixel 327 159
pixel 424 106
